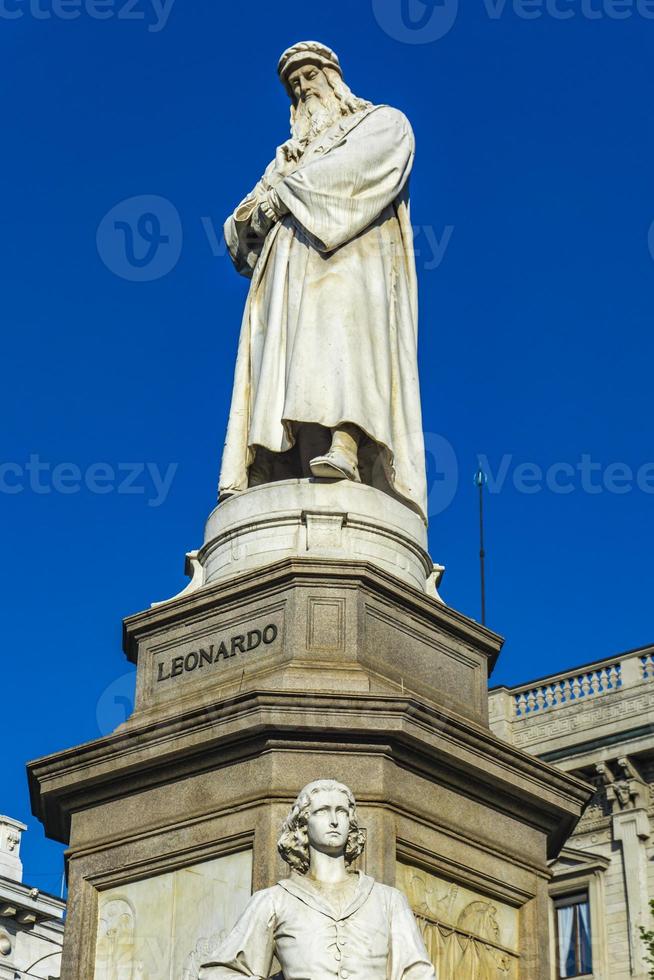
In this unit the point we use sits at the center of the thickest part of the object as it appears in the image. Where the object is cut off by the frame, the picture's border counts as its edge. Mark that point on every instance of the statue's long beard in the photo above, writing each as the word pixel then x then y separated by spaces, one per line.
pixel 313 117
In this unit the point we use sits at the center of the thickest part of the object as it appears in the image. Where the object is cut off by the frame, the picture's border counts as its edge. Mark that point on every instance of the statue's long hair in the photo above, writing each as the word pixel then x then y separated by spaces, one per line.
pixel 346 100
pixel 293 844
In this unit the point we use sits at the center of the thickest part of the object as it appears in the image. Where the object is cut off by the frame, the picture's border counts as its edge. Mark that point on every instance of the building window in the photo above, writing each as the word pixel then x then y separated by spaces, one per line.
pixel 573 935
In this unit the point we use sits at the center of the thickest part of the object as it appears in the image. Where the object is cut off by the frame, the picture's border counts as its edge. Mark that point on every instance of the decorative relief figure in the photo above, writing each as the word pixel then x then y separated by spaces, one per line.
pixel 324 922
pixel 463 937
pixel 626 792
pixel 205 949
pixel 481 960
pixel 167 924
pixel 115 949
pixel 326 381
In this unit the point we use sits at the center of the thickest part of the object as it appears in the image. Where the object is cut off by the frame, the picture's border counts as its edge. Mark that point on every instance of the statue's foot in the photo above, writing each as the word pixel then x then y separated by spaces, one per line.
pixel 335 465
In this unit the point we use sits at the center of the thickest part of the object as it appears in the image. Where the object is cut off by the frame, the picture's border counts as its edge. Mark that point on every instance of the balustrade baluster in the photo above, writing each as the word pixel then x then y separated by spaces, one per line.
pixel 567 689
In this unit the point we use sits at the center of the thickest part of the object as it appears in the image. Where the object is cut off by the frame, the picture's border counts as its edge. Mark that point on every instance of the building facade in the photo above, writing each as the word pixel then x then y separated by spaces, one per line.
pixel 31 922
pixel 596 722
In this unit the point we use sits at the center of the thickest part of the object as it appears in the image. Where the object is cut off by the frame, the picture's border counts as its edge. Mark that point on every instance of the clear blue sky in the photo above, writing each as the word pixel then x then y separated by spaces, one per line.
pixel 534 169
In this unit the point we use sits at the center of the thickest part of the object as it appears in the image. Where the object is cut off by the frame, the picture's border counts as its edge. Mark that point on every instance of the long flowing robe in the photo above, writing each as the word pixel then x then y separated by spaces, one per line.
pixel 329 334
pixel 375 937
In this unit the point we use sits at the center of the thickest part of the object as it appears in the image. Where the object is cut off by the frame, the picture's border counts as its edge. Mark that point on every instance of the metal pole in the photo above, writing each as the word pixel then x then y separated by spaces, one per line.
pixel 481 480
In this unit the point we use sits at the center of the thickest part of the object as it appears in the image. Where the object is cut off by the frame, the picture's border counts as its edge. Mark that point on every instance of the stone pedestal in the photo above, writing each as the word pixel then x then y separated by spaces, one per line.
pixel 254 683
pixel 316 519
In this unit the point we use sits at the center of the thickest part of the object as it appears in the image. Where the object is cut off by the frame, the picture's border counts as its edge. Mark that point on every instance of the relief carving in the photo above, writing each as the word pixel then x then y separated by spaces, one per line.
pixel 163 925
pixel 204 950
pixel 115 949
pixel 624 786
pixel 466 936
pixel 585 718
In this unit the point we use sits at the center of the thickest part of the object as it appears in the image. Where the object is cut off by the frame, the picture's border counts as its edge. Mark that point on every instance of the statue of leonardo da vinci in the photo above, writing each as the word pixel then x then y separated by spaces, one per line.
pixel 326 382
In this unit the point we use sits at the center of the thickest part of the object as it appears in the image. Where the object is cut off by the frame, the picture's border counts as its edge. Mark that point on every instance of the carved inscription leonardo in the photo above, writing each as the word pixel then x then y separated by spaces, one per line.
pixel 214 651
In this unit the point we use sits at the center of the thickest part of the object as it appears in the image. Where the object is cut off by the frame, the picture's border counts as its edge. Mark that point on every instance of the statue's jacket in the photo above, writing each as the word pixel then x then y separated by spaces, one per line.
pixel 375 937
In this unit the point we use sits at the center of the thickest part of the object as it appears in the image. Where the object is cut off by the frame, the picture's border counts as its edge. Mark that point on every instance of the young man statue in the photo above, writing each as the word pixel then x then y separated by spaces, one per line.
pixel 324 922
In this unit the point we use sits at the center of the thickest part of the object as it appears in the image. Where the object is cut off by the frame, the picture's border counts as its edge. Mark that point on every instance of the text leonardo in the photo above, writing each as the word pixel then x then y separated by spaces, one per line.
pixel 215 652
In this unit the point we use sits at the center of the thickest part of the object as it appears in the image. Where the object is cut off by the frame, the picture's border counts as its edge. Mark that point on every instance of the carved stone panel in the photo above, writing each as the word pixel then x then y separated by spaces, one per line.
pixel 468 936
pixel 207 656
pixel 165 927
pixel 325 624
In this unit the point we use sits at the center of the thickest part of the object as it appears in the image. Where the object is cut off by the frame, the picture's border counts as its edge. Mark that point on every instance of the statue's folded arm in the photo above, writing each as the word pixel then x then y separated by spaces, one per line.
pixel 335 196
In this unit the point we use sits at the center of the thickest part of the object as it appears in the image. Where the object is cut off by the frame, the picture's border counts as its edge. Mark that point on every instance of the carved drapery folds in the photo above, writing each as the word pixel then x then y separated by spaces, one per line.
pixel 467 936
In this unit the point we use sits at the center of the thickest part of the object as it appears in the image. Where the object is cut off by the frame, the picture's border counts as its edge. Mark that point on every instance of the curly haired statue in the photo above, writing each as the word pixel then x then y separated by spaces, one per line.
pixel 324 914
pixel 293 844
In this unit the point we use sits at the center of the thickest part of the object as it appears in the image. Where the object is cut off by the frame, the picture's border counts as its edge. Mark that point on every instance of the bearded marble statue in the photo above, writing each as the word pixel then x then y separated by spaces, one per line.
pixel 323 921
pixel 326 382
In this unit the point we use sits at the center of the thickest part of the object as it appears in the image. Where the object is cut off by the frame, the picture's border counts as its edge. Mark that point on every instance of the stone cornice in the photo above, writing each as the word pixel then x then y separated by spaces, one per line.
pixel 578 862
pixel 321 571
pixel 416 736
pixel 29 905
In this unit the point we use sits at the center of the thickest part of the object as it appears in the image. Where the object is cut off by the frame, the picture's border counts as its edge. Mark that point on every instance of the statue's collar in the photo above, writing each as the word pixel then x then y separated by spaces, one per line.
pixel 300 887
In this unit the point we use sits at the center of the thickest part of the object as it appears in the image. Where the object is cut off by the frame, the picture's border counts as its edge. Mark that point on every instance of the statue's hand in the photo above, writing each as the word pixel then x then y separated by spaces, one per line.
pixel 272 206
pixel 267 212
pixel 288 156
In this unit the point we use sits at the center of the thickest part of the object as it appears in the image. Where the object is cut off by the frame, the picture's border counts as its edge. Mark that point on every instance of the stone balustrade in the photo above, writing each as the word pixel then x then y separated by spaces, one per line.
pixel 568 687
pixel 514 710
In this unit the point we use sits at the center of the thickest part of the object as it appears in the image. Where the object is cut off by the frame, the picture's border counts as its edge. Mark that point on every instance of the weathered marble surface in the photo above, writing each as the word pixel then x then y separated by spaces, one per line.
pixel 310 629
pixel 161 927
pixel 307 624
